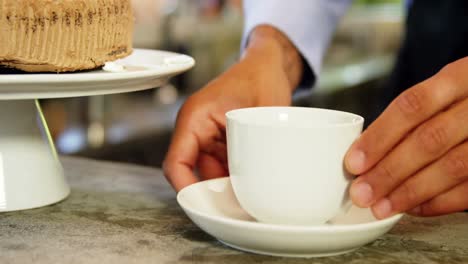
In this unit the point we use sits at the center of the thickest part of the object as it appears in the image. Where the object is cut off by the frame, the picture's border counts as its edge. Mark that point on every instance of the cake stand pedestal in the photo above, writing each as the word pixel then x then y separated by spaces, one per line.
pixel 31 175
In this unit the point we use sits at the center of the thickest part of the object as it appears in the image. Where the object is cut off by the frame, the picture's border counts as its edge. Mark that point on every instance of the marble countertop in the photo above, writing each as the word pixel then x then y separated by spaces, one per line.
pixel 120 213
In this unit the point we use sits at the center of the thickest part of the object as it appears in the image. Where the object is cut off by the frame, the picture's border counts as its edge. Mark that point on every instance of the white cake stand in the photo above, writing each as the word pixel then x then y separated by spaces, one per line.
pixel 31 175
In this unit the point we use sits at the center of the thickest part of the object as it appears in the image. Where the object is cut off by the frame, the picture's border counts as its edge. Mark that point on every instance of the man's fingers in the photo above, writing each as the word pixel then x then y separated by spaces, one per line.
pixel 181 159
pixel 405 113
pixel 217 149
pixel 442 175
pixel 452 201
pixel 183 153
pixel 426 144
pixel 210 167
pixel 197 132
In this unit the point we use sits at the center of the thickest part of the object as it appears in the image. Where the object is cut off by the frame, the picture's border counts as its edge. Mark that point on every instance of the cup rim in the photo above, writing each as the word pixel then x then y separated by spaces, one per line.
pixel 356 121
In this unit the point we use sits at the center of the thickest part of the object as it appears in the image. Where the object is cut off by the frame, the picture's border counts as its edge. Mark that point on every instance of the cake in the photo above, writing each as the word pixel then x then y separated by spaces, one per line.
pixel 64 35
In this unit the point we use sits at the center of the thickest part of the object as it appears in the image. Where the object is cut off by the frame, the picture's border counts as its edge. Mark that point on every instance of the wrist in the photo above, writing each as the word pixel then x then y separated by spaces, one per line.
pixel 274 47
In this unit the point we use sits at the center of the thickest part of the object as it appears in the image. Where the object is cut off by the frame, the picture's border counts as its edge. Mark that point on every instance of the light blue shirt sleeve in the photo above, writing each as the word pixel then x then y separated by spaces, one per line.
pixel 309 24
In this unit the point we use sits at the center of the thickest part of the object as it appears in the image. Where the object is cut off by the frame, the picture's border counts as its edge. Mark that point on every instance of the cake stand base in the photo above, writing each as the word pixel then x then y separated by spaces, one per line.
pixel 30 172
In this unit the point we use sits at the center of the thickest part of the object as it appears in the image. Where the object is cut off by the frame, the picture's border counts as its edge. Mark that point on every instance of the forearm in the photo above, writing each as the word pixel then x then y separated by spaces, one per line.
pixel 271 43
pixel 307 24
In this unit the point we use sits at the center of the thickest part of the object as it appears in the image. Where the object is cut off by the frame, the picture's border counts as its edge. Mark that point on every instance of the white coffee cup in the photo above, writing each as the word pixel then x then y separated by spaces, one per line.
pixel 287 163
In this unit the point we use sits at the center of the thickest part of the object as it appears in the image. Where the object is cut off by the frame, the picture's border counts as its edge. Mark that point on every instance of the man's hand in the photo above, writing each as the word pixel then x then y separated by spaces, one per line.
pixel 266 75
pixel 414 157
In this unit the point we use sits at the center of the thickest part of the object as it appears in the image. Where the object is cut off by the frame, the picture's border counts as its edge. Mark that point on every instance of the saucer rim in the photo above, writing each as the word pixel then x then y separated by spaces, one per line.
pixel 288 255
pixel 284 228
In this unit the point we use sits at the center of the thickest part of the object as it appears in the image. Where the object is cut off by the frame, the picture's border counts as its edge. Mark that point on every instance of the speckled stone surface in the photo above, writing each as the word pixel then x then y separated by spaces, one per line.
pixel 127 214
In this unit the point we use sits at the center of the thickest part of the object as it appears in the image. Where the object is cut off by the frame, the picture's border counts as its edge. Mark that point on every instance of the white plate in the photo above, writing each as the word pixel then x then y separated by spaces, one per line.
pixel 213 206
pixel 145 69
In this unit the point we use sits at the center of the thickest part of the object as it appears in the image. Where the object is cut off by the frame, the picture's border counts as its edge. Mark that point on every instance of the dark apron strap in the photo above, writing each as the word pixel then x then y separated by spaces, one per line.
pixel 436 34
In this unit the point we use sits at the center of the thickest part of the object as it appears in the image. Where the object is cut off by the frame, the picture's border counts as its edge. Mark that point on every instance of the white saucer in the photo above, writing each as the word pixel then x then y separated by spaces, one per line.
pixel 213 206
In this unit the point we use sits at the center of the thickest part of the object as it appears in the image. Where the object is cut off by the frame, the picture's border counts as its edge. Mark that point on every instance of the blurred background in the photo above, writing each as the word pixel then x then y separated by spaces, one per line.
pixel 137 127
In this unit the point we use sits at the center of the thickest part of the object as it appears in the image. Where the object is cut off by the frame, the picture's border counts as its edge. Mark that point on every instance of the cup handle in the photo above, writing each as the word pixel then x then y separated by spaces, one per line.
pixel 344 210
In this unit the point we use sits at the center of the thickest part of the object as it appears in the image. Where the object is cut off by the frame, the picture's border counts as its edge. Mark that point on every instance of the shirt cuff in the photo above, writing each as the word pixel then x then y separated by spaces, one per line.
pixel 309 25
